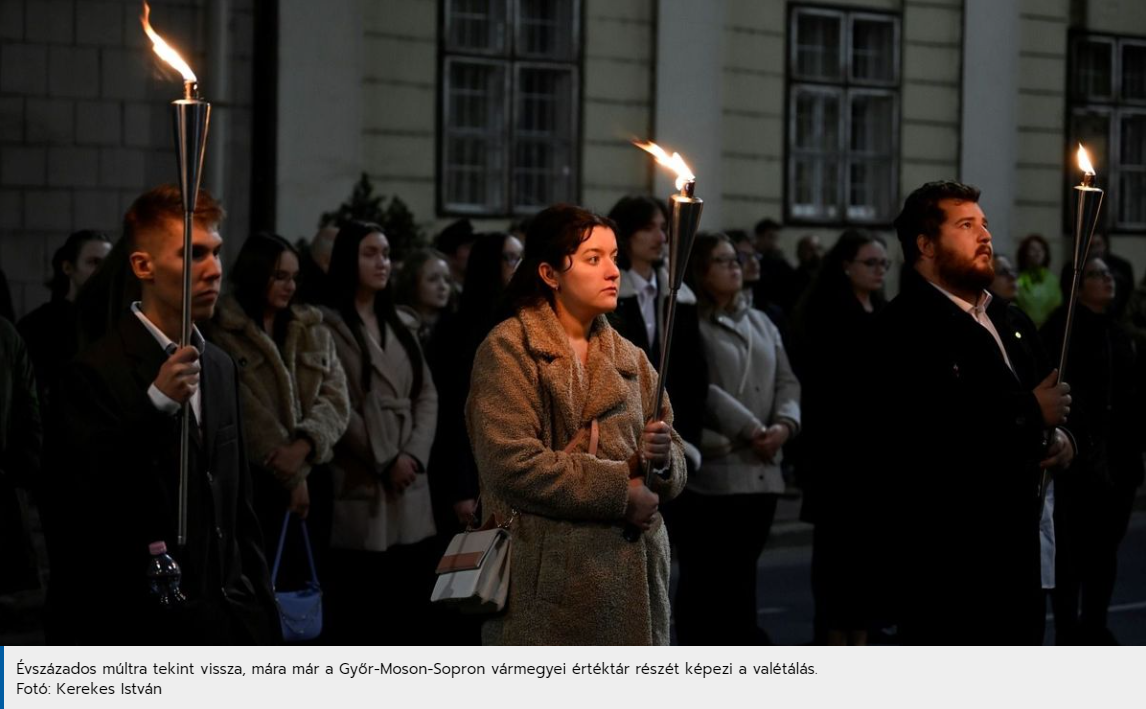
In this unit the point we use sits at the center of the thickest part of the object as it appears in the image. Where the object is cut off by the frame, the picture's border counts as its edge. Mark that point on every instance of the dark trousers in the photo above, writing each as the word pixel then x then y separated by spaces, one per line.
pixel 380 597
pixel 1089 525
pixel 271 501
pixel 718 540
pixel 841 576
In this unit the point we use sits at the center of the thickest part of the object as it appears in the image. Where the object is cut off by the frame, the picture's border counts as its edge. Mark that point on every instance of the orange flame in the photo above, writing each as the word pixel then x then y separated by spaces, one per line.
pixel 1084 161
pixel 675 163
pixel 164 50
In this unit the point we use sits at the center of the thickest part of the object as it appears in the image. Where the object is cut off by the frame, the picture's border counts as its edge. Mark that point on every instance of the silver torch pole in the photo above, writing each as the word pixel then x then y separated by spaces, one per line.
pixel 191 114
pixel 1086 218
pixel 686 209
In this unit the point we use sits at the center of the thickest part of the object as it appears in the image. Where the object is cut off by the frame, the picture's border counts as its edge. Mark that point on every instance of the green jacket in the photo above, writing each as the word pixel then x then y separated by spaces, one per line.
pixel 1039 294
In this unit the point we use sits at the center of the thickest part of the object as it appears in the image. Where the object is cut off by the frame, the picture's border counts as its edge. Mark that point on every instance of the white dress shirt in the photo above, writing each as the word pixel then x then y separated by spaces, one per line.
pixel 158 399
pixel 647 300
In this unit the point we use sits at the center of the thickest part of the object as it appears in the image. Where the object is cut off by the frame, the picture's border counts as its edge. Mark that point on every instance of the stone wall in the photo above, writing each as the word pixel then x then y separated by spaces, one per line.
pixel 85 124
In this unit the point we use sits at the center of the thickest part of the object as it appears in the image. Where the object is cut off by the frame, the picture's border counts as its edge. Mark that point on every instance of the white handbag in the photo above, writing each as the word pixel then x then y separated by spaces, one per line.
pixel 473 575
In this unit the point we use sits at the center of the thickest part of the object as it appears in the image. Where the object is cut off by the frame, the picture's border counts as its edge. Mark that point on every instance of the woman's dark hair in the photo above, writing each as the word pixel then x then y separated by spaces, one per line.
pixel 343 287
pixel 1066 278
pixel 406 280
pixel 631 214
pixel 738 236
pixel 699 262
pixel 921 213
pixel 481 302
pixel 108 294
pixel 1023 256
pixel 831 286
pixel 554 235
pixel 70 253
pixel 251 277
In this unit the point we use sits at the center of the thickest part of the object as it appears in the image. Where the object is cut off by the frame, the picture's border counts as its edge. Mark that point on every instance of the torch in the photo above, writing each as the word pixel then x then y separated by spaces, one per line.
pixel 686 208
pixel 1086 217
pixel 191 115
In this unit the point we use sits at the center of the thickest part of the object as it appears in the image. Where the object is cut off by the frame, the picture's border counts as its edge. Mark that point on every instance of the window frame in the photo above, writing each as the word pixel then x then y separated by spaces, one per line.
pixel 513 63
pixel 846 87
pixel 1113 109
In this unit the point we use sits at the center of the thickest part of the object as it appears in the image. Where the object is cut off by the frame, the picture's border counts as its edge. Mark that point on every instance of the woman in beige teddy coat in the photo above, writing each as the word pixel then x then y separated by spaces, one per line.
pixel 294 401
pixel 557 416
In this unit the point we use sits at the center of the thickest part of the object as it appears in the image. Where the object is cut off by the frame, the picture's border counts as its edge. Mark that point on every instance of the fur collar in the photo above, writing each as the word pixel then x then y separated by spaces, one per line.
pixel 612 360
pixel 230 315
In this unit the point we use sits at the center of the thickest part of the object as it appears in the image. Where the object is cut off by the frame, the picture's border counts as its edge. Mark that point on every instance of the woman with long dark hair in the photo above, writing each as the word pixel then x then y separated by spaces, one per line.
pixel 833 343
pixel 561 420
pixel 381 540
pixel 752 409
pixel 294 400
pixel 493 259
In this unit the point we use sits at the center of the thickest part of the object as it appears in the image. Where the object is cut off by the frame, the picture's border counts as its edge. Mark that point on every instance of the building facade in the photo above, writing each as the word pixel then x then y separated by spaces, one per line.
pixel 819 115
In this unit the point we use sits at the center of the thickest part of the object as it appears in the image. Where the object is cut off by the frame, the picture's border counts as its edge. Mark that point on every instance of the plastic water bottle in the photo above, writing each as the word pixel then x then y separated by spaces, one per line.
pixel 163 576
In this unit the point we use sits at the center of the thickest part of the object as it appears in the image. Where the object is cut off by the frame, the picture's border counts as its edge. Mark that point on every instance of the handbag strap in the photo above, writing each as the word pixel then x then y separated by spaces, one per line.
pixel 306 545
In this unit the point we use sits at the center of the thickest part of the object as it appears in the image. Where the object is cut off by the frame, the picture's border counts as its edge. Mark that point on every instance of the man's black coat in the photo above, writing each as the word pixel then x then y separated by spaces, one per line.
pixel 116 491
pixel 962 436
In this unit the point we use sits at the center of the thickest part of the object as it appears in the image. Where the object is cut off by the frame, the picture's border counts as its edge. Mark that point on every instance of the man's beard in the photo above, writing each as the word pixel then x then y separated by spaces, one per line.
pixel 964 274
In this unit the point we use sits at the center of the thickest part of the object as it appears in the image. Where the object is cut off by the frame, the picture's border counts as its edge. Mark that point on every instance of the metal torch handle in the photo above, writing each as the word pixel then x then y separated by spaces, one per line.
pixel 632 532
pixel 1044 482
pixel 184 340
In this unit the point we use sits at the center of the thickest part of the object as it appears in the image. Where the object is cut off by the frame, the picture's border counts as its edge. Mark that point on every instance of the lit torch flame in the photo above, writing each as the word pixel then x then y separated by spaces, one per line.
pixel 675 163
pixel 164 50
pixel 1084 161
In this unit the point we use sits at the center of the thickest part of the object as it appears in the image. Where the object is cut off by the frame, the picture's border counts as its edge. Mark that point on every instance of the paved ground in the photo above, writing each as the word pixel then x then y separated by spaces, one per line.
pixel 784 600
pixel 785 605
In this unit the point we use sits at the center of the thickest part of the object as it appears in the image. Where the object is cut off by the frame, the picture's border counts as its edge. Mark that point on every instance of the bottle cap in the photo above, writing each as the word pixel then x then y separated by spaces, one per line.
pixel 157 548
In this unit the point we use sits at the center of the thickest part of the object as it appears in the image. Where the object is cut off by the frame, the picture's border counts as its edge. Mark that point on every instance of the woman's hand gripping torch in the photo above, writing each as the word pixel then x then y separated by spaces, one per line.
pixel 685 220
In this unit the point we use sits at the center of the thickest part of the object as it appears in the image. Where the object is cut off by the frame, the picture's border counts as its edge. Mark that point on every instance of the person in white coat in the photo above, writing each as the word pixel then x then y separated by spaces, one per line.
pixel 752 409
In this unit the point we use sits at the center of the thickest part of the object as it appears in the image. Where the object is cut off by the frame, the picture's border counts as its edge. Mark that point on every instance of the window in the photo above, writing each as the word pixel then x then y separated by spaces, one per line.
pixel 1108 116
pixel 509 105
pixel 843 116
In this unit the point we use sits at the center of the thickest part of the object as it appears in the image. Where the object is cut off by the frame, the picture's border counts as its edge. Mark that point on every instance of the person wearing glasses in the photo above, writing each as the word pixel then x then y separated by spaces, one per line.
pixel 964 402
pixel 1094 498
pixel 292 387
pixel 834 341
pixel 752 409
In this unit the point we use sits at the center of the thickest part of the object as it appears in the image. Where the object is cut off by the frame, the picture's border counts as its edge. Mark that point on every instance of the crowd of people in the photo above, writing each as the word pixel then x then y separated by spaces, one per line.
pixel 511 375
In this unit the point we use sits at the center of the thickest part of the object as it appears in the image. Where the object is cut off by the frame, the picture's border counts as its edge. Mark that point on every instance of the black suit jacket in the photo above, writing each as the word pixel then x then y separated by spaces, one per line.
pixel 964 435
pixel 116 481
pixel 687 384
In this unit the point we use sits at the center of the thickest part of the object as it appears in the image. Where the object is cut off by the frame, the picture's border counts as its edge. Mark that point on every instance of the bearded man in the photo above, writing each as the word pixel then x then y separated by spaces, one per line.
pixel 969 396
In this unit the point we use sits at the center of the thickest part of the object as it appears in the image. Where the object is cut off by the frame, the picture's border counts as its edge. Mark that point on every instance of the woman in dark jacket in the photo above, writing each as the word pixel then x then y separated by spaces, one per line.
pixel 1095 496
pixel 51 329
pixel 450 353
pixel 833 330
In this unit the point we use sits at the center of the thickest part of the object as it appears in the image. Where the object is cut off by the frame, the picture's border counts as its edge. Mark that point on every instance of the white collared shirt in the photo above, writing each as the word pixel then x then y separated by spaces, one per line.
pixel 647 300
pixel 978 311
pixel 160 400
